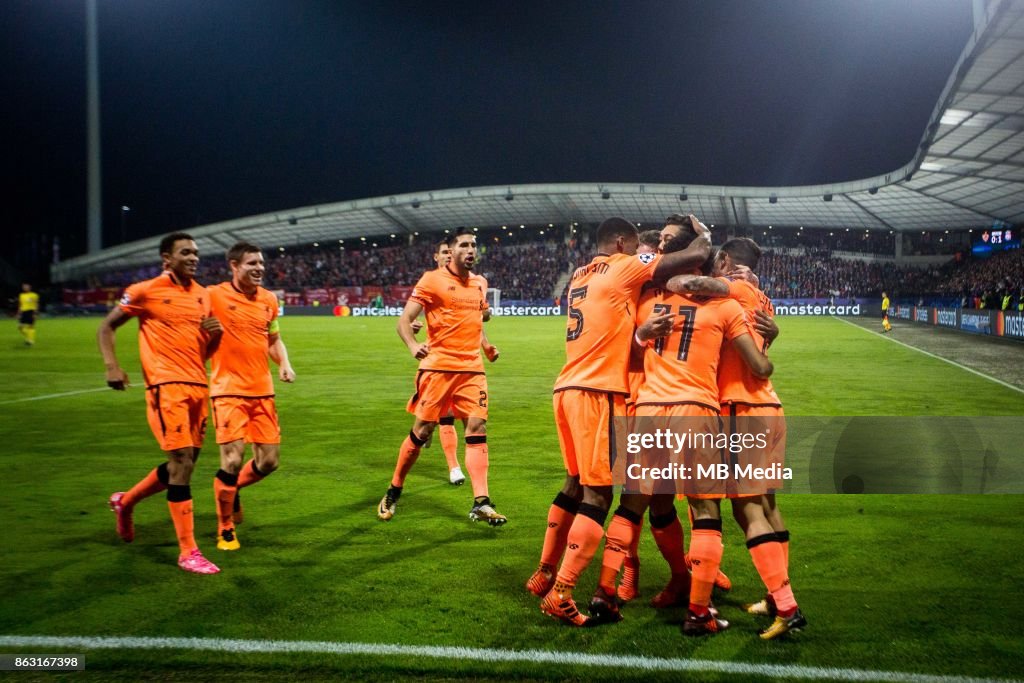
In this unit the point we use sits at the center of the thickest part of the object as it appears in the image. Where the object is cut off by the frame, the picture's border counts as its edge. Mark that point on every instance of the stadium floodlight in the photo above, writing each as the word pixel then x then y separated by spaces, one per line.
pixel 774 199
pixel 872 190
pixel 292 220
pixel 683 196
pixel 509 197
pixel 606 195
pixel 827 197
pixel 415 203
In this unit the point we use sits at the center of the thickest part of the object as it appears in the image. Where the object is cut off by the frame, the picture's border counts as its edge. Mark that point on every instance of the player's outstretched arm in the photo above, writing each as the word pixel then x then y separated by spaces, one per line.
pixel 688 259
pixel 755 360
pixel 279 354
pixel 117 378
pixel 409 314
pixel 697 284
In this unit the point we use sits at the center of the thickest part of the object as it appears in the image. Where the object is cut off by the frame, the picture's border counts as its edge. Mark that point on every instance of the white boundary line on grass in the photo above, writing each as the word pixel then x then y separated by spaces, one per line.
pixel 932 355
pixel 632 663
pixel 46 396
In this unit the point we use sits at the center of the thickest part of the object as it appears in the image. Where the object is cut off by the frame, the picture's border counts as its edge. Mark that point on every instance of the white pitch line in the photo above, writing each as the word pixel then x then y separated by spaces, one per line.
pixel 489 655
pixel 46 396
pixel 932 355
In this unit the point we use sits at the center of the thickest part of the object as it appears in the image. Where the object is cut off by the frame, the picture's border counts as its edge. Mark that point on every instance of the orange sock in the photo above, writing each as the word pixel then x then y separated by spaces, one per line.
pixel 154 482
pixel 407 455
pixel 250 474
pixel 770 563
pixel 181 515
pixel 449 444
pixel 783 537
pixel 560 516
pixel 668 534
pixel 225 487
pixel 476 464
pixel 584 538
pixel 621 536
pixel 705 557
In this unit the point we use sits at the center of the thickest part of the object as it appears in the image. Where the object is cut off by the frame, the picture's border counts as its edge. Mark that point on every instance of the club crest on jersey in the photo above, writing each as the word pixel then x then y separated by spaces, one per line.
pixel 646 258
pixel 126 299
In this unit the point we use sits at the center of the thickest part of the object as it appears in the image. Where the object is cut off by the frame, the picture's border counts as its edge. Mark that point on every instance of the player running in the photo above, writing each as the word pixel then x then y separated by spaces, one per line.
pixel 451 373
pixel 176 334
pixel 242 390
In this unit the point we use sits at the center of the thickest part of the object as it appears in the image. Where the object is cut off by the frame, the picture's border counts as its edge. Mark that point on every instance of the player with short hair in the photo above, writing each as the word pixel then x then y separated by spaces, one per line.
pixel 176 334
pixel 745 395
pixel 241 387
pixel 28 309
pixel 451 373
pixel 590 390
pixel 680 381
pixel 886 326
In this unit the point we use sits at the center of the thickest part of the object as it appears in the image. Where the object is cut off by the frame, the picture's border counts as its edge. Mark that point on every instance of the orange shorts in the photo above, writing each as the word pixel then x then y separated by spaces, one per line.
pixel 177 414
pixel 241 417
pixel 699 419
pixel 770 420
pixel 462 394
pixel 586 432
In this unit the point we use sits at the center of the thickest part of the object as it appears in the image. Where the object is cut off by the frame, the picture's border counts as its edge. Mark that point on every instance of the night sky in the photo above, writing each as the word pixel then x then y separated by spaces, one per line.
pixel 217 110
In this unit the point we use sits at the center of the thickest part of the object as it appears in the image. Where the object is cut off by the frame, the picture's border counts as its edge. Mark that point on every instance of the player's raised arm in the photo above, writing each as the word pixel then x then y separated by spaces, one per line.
pixel 409 314
pixel 697 284
pixel 758 363
pixel 117 378
pixel 688 259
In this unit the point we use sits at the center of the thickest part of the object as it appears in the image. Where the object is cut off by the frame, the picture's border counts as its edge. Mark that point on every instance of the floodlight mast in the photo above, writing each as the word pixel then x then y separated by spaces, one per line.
pixel 92 68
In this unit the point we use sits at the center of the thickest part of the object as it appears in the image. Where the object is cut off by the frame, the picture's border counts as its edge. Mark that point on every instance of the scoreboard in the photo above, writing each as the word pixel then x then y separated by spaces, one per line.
pixel 1000 237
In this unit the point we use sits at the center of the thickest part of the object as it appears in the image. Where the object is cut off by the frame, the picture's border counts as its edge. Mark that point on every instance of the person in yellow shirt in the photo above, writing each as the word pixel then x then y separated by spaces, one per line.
pixel 28 309
pixel 886 327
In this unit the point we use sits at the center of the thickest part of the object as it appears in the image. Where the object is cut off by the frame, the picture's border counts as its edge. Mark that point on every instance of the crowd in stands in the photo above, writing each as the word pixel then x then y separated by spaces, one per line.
pixel 527 265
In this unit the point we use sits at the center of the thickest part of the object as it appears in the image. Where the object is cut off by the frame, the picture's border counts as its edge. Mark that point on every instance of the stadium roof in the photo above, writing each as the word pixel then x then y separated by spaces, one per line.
pixel 968 172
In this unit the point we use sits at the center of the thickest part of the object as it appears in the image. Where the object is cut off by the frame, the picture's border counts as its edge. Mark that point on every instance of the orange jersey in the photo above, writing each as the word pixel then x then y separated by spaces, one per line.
pixel 241 364
pixel 682 367
pixel 172 345
pixel 602 305
pixel 736 384
pixel 454 311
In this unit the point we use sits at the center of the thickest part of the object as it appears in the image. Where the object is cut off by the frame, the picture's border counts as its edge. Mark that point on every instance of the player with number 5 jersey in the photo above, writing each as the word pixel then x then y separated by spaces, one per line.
pixel 589 392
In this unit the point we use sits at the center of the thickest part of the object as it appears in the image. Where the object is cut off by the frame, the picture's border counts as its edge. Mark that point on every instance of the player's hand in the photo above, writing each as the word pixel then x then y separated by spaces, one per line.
pixel 700 228
pixel 286 373
pixel 416 326
pixel 212 326
pixel 117 379
pixel 765 326
pixel 419 352
pixel 655 326
pixel 491 351
pixel 743 273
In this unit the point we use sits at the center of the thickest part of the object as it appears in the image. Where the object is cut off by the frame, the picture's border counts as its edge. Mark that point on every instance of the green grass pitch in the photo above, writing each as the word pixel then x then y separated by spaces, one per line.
pixel 923 584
